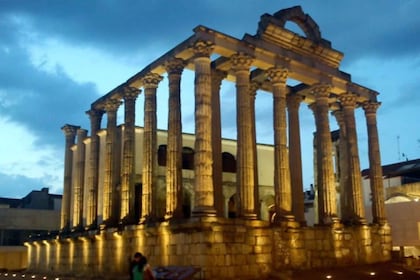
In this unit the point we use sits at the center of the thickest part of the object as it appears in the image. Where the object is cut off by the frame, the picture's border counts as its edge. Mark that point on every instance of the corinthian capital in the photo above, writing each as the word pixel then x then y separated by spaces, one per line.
pixel 241 62
pixel 70 130
pixel 348 100
pixel 111 105
pixel 277 75
pixel 321 91
pixel 95 113
pixel 151 80
pixel 371 107
pixel 175 66
pixel 202 48
pixel 130 93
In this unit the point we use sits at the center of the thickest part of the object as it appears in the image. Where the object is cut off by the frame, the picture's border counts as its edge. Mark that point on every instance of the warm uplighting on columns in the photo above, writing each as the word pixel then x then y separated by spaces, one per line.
pixel 216 81
pixel 92 184
pixel 254 86
pixel 295 157
pixel 129 94
pixel 203 156
pixel 282 186
pixel 327 207
pixel 345 189
pixel 79 180
pixel 245 174
pixel 70 134
pixel 150 84
pixel 110 202
pixel 174 67
pixel 375 168
pixel 348 104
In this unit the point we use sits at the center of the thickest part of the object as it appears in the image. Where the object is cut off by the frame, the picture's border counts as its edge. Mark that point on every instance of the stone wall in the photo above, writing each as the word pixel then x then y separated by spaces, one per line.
pixel 235 249
pixel 312 247
pixel 13 258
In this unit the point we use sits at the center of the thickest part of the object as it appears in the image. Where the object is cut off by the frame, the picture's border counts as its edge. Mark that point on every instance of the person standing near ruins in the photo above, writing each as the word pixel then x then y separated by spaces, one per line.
pixel 140 269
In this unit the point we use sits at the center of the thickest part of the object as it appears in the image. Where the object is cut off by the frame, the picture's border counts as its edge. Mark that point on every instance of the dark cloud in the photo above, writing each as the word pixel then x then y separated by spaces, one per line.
pixel 41 100
pixel 358 28
pixel 44 101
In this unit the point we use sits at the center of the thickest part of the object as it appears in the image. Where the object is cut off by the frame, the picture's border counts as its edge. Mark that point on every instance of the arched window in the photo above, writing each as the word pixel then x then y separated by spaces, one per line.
pixel 228 162
pixel 187 158
pixel 162 155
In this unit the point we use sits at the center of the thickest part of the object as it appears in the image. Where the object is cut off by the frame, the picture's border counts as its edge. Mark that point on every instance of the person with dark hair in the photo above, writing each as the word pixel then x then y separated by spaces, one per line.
pixel 139 269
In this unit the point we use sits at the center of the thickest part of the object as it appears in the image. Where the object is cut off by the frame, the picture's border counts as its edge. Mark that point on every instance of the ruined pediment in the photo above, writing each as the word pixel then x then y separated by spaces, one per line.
pixel 272 28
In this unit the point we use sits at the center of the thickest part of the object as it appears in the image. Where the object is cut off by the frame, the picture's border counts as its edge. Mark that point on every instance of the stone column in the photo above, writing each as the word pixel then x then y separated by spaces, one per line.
pixel 375 167
pixel 70 134
pixel 79 180
pixel 217 78
pixel 109 190
pixel 327 207
pixel 129 95
pixel 348 103
pixel 203 156
pixel 282 186
pixel 174 67
pixel 245 172
pixel 345 194
pixel 92 207
pixel 295 157
pixel 148 205
pixel 254 86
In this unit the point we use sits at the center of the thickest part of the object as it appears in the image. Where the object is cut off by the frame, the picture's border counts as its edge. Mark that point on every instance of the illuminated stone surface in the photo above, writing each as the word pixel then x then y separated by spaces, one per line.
pixel 185 199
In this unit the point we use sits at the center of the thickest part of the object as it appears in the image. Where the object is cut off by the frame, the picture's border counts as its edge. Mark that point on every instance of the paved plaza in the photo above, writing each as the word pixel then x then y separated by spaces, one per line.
pixel 382 271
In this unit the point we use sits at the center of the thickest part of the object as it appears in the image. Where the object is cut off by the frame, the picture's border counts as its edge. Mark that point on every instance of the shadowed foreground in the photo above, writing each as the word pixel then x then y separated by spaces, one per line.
pixel 381 271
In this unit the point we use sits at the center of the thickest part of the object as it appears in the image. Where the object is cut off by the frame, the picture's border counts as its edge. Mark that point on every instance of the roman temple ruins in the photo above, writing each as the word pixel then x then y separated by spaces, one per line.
pixel 227 207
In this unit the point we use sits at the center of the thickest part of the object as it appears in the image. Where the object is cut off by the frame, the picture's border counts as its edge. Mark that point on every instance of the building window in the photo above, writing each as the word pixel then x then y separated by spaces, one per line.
pixel 187 158
pixel 228 162
pixel 162 155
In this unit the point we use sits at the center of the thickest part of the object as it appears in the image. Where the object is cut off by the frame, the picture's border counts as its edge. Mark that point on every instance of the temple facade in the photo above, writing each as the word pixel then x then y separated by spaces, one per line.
pixel 231 208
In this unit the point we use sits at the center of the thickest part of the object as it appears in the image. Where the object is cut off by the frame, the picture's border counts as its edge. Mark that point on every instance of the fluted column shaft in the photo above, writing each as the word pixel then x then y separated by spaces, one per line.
pixel 295 157
pixel 174 68
pixel 92 201
pixel 109 211
pixel 203 157
pixel 70 135
pixel 254 86
pixel 217 78
pixel 245 157
pixel 348 103
pixel 345 187
pixel 128 161
pixel 282 186
pixel 327 207
pixel 375 168
pixel 148 205
pixel 79 180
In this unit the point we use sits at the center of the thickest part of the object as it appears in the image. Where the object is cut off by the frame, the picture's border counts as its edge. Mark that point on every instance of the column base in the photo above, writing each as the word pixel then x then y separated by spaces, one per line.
pixel 286 220
pixel 380 221
pixel 204 211
pixel 110 223
pixel 355 221
pixel 127 220
pixel 329 221
pixel 250 216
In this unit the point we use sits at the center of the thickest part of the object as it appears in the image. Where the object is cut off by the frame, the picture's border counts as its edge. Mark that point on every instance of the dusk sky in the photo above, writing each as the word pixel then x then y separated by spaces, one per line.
pixel 57 57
